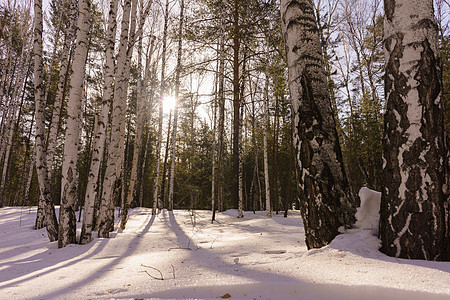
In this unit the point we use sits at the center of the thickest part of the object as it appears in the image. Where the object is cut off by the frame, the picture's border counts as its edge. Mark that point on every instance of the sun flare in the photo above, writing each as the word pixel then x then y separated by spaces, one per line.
pixel 169 104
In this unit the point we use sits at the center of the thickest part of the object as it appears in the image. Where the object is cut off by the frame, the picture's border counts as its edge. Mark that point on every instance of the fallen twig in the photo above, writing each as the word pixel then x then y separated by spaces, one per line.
pixel 161 278
pixel 213 242
pixel 173 271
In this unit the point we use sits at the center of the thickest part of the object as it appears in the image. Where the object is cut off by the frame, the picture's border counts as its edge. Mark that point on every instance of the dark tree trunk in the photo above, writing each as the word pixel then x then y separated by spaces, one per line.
pixel 325 200
pixel 415 198
pixel 236 106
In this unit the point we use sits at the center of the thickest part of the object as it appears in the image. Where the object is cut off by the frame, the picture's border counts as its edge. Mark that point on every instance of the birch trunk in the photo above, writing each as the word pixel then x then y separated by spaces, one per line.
pixel 100 134
pixel 115 151
pixel 60 90
pixel 326 203
pixel 175 114
pixel 266 156
pixel 236 105
pixel 221 123
pixel 14 118
pixel 415 199
pixel 69 182
pixel 140 119
pixel 46 211
pixel 240 175
pixel 160 120
pixel 163 198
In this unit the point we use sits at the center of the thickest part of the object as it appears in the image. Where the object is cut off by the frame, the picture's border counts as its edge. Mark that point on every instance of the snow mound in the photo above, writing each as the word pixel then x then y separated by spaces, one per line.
pixel 368 214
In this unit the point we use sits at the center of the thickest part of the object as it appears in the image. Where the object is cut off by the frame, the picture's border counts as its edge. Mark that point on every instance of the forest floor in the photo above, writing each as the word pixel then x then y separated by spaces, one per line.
pixel 180 254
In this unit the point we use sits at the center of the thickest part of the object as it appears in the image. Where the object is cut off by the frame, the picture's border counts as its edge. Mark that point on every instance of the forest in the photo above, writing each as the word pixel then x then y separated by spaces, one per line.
pixel 182 104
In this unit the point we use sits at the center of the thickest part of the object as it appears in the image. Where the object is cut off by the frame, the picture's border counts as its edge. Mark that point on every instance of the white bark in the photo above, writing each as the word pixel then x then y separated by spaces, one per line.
pixel 240 177
pixel 69 182
pixel 46 212
pixel 115 150
pixel 69 36
pixel 415 198
pixel 175 114
pixel 160 120
pixel 140 119
pixel 266 158
pixel 100 133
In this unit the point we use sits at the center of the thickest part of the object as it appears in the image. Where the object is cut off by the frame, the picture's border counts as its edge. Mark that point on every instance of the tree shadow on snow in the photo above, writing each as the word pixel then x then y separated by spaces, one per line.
pixel 99 272
pixel 44 263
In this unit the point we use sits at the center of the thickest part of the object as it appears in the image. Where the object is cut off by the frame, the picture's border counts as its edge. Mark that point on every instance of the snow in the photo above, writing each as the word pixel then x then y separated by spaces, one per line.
pixel 368 214
pixel 250 258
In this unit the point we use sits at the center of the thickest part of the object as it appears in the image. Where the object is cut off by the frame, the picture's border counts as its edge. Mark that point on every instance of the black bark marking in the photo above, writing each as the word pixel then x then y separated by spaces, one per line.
pixel 389 9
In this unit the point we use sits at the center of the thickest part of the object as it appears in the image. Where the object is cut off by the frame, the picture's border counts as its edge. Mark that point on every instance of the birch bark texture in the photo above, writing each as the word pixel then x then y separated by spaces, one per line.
pixel 325 201
pixel 69 35
pixel 69 183
pixel 175 113
pixel 115 152
pixel 415 199
pixel 100 132
pixel 161 115
pixel 140 113
pixel 46 217
pixel 266 156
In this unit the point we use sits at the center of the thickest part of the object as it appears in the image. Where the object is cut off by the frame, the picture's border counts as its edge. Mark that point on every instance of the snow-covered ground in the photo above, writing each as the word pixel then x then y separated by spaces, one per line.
pixel 182 255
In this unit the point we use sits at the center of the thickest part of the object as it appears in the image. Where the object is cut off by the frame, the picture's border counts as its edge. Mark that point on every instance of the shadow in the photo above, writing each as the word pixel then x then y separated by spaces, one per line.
pixel 290 290
pixel 42 263
pixel 263 284
pixel 356 242
pixel 131 249
pixel 222 266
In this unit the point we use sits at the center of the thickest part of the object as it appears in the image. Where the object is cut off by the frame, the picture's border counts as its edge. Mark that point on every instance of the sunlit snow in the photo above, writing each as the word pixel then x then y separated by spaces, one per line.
pixel 182 255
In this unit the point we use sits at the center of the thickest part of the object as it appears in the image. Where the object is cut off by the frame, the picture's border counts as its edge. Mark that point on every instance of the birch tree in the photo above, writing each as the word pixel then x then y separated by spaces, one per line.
pixel 100 133
pixel 160 118
pixel 265 148
pixel 46 217
pixel 326 203
pixel 115 150
pixel 69 186
pixel 69 35
pixel 414 221
pixel 175 113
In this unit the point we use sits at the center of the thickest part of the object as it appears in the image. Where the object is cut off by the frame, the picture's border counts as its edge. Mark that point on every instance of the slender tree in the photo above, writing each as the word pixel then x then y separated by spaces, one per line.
pixel 161 116
pixel 415 199
pixel 115 150
pixel 326 203
pixel 175 114
pixel 100 131
pixel 46 211
pixel 265 150
pixel 69 35
pixel 140 116
pixel 69 182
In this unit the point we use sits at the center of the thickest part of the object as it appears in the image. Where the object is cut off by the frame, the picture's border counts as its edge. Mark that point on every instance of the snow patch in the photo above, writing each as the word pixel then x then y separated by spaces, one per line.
pixel 368 214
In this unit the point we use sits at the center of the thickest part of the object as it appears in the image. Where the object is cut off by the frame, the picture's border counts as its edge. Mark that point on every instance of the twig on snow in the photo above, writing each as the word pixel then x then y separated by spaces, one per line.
pixel 173 271
pixel 157 278
pixel 210 247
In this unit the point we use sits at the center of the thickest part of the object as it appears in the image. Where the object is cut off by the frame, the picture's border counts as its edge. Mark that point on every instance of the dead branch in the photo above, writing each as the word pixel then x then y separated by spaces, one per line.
pixel 173 271
pixel 157 278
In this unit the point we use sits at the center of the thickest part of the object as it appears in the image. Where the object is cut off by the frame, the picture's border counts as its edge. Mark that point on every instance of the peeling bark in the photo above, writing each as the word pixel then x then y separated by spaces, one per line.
pixel 326 202
pixel 414 220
